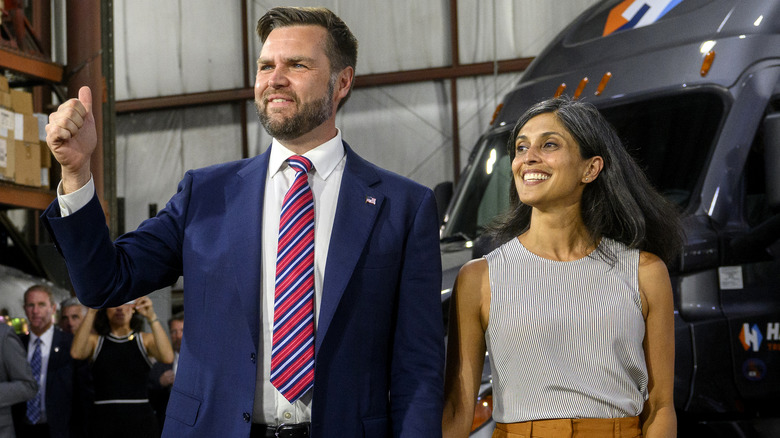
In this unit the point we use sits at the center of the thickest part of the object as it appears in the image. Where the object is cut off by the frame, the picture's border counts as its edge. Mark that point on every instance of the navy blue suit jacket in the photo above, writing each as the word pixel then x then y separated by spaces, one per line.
pixel 59 386
pixel 379 348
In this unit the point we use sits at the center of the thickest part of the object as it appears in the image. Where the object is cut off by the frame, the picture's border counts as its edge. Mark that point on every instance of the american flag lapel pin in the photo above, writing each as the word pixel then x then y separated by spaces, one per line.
pixel 370 200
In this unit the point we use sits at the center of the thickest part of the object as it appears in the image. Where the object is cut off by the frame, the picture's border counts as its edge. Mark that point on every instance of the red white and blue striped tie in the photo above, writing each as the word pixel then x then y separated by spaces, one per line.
pixel 292 356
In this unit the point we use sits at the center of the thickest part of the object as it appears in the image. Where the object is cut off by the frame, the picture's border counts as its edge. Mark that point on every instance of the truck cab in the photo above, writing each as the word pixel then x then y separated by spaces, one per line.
pixel 693 89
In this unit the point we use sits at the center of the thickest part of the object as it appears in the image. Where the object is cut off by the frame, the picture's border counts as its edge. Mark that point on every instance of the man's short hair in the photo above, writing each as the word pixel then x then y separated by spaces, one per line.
pixel 70 302
pixel 178 316
pixel 341 46
pixel 40 288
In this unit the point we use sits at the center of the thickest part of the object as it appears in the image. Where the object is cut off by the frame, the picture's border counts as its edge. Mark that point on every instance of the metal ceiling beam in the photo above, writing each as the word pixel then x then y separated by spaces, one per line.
pixel 26 65
pixel 24 197
pixel 361 81
pixel 455 51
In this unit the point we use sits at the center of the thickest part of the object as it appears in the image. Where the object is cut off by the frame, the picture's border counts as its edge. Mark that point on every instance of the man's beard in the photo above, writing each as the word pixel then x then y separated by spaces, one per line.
pixel 309 116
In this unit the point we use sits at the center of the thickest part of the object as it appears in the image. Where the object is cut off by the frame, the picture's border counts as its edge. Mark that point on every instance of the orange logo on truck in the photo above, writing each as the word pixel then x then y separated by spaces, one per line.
pixel 631 14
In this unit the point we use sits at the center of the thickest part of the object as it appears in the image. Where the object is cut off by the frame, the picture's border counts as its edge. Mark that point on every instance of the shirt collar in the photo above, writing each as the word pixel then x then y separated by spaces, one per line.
pixel 46 337
pixel 325 157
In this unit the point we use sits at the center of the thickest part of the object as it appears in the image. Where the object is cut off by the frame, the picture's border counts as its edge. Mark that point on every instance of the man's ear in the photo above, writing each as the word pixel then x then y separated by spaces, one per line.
pixel 344 82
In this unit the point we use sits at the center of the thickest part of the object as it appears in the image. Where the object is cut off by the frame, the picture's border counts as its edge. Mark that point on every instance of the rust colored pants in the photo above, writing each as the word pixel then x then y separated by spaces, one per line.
pixel 571 428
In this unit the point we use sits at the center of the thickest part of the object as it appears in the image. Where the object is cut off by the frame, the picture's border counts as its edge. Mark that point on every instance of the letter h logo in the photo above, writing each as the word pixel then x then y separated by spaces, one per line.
pixel 750 337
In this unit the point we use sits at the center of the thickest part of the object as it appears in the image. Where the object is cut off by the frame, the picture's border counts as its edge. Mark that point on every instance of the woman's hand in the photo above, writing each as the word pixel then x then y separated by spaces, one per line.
pixel 145 307
pixel 84 341
pixel 158 345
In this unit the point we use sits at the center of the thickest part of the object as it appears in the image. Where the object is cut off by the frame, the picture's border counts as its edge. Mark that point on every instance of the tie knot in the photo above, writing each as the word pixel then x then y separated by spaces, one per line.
pixel 300 163
pixel 37 342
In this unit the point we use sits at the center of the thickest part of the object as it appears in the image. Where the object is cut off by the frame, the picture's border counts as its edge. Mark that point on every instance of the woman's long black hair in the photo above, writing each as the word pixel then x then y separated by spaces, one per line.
pixel 620 203
pixel 103 328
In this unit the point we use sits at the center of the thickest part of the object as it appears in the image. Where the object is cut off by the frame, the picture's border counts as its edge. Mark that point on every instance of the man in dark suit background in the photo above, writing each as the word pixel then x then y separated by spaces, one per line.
pixel 53 402
pixel 162 375
pixel 378 350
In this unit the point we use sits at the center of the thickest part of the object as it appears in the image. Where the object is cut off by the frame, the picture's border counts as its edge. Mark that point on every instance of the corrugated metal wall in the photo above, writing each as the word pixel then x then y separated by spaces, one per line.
pixel 177 47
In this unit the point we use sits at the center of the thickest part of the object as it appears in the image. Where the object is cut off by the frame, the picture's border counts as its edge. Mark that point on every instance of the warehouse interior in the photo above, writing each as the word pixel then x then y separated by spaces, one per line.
pixel 437 87
pixel 177 79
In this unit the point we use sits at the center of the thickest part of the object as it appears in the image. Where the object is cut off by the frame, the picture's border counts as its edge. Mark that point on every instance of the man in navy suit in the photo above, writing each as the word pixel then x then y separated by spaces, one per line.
pixel 378 347
pixel 55 385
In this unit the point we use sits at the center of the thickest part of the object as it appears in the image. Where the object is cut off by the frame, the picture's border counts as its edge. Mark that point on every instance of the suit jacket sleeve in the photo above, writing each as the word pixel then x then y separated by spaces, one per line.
pixel 16 380
pixel 417 381
pixel 106 273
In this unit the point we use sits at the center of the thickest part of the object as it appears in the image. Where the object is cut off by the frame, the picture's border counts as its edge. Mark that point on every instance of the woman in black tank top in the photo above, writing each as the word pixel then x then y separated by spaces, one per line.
pixel 120 357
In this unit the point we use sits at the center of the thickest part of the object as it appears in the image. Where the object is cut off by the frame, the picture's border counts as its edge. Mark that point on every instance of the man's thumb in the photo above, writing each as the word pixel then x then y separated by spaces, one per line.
pixel 85 97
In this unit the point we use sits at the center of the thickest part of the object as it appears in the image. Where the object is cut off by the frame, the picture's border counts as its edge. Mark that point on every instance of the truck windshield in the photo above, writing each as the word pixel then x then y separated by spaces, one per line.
pixel 670 137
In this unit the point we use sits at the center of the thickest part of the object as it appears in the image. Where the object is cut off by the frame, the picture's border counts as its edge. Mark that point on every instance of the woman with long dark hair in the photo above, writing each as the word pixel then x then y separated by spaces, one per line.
pixel 120 358
pixel 576 307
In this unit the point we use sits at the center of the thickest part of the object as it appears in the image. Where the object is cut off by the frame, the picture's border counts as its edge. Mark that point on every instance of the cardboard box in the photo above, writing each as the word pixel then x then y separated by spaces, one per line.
pixel 7 119
pixel 43 120
pixel 4 83
pixel 5 100
pixel 7 154
pixel 28 163
pixel 26 128
pixel 7 150
pixel 45 178
pixel 21 102
pixel 45 155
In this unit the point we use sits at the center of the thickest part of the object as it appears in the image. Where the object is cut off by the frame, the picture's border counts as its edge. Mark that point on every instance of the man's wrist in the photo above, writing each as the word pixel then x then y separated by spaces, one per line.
pixel 74 201
pixel 71 182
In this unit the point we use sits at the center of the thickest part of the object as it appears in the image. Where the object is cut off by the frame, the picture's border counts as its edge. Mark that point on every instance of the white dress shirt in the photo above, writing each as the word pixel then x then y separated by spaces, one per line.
pixel 329 160
pixel 175 366
pixel 73 201
pixel 47 338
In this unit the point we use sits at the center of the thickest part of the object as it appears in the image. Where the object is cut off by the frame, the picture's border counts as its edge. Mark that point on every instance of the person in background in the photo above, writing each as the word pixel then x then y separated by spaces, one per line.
pixel 72 312
pixel 354 259
pixel 120 354
pixel 162 375
pixel 49 413
pixel 576 308
pixel 17 383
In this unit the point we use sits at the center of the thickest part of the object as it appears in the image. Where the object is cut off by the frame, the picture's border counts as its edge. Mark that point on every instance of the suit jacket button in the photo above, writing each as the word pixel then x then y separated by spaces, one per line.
pixel 252 357
pixel 247 417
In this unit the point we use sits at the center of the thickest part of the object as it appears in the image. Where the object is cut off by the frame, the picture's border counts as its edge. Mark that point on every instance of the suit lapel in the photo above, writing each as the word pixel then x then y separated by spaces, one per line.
pixel 358 205
pixel 244 206
pixel 56 352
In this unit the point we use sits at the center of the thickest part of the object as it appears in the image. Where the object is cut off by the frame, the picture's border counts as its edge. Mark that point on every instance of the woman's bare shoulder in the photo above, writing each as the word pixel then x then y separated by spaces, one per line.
pixel 474 268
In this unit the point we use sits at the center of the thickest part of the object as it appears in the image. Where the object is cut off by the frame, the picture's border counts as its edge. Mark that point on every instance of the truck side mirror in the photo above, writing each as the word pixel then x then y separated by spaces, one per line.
pixel 772 160
pixel 443 194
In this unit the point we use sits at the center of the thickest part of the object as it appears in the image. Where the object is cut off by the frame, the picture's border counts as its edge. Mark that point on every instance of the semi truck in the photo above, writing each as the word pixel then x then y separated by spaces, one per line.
pixel 693 89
